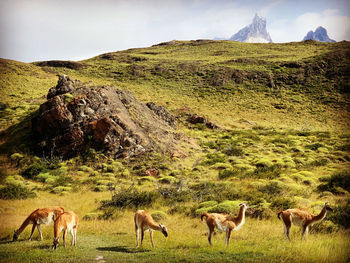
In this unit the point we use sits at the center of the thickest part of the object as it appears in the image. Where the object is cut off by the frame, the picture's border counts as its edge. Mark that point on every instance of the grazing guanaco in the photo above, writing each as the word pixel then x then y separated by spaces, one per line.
pixel 224 223
pixel 38 217
pixel 67 221
pixel 301 218
pixel 144 221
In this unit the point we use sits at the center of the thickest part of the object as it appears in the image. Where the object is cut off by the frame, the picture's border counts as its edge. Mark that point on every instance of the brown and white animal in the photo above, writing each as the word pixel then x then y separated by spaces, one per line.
pixel 67 221
pixel 224 223
pixel 144 221
pixel 301 218
pixel 38 217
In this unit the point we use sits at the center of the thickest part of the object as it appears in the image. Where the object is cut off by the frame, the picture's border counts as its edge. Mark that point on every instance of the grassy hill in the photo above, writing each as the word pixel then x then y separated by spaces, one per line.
pixel 283 141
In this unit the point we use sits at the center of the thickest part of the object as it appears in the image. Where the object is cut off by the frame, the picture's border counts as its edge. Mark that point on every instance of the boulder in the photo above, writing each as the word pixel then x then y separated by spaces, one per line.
pixel 77 117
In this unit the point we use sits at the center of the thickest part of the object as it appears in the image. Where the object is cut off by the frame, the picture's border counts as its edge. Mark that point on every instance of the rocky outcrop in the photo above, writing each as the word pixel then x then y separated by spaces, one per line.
pixel 77 117
pixel 320 35
pixel 256 32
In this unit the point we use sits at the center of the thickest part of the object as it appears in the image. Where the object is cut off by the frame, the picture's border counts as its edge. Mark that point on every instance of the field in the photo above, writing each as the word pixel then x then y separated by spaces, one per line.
pixel 280 140
pixel 114 240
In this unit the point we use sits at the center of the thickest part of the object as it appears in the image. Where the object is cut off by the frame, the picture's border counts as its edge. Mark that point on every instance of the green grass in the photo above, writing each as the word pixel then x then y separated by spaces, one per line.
pixel 257 241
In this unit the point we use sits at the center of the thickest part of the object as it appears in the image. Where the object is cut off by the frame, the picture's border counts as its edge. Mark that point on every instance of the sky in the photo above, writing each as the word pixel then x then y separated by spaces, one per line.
pixel 36 30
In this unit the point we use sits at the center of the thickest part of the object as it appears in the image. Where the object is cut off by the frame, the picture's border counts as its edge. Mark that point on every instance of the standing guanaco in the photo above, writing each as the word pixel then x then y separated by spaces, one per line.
pixel 67 221
pixel 144 221
pixel 301 218
pixel 224 223
pixel 40 216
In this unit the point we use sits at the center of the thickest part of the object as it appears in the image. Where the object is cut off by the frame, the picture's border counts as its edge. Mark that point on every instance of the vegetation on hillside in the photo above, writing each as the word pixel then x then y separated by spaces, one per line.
pixel 280 140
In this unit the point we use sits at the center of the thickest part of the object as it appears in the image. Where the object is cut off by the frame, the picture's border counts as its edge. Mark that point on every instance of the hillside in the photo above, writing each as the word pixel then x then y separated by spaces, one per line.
pixel 266 124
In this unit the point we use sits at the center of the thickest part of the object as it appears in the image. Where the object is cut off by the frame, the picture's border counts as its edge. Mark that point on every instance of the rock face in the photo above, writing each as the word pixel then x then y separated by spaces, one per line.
pixel 77 117
pixel 320 35
pixel 254 33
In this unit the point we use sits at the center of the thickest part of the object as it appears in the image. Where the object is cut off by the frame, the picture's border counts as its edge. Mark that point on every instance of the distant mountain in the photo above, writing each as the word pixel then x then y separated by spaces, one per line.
pixel 320 34
pixel 254 33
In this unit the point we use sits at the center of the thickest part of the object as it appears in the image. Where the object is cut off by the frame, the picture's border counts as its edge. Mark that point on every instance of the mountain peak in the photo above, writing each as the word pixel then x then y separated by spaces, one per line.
pixel 254 33
pixel 320 34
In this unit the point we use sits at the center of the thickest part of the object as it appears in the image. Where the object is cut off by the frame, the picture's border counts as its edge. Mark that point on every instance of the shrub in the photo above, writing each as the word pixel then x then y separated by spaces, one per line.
pixel 263 163
pixel 12 191
pixel 131 198
pixel 101 188
pixel 34 169
pixel 61 189
pixel 3 175
pixel 207 204
pixel 271 189
pixel 341 215
pixel 271 172
pixel 325 227
pixel 233 151
pixel 337 180
pixel 212 158
pixel 159 215
pixel 314 146
pixel 229 173
pixel 91 216
pixel 63 181
pixel 282 203
pixel 320 162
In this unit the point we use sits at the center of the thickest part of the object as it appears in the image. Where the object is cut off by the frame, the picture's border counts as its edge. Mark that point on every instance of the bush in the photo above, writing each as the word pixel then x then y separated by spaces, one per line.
pixel 271 172
pixel 337 180
pixel 213 158
pixel 229 173
pixel 34 169
pixel 341 215
pixel 314 146
pixel 131 198
pixel 282 203
pixel 91 216
pixel 233 151
pixel 159 215
pixel 10 192
pixel 271 189
pixel 325 227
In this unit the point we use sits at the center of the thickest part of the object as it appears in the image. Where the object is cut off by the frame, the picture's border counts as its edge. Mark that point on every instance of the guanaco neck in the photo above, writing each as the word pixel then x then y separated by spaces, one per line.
pixel 153 225
pixel 241 215
pixel 26 222
pixel 320 216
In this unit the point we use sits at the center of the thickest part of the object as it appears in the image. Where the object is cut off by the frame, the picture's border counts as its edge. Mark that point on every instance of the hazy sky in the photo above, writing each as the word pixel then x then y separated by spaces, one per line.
pixel 33 30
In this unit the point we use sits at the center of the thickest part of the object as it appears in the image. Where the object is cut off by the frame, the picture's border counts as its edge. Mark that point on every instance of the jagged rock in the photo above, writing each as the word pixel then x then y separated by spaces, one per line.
pixel 162 113
pixel 320 35
pixel 256 32
pixel 77 117
pixel 194 119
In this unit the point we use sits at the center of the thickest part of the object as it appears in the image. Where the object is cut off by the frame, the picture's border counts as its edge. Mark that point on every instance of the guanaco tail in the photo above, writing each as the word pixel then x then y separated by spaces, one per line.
pixel 224 223
pixel 144 221
pixel 67 221
pixel 301 218
pixel 38 217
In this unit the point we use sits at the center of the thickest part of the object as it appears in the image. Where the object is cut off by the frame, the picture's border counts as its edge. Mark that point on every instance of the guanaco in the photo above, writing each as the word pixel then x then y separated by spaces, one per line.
pixel 67 221
pixel 38 217
pixel 144 221
pixel 301 218
pixel 224 222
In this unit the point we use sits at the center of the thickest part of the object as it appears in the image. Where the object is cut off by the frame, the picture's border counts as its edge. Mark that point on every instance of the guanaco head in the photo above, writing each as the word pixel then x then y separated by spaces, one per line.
pixel 56 240
pixel 15 236
pixel 164 230
pixel 328 207
pixel 244 205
